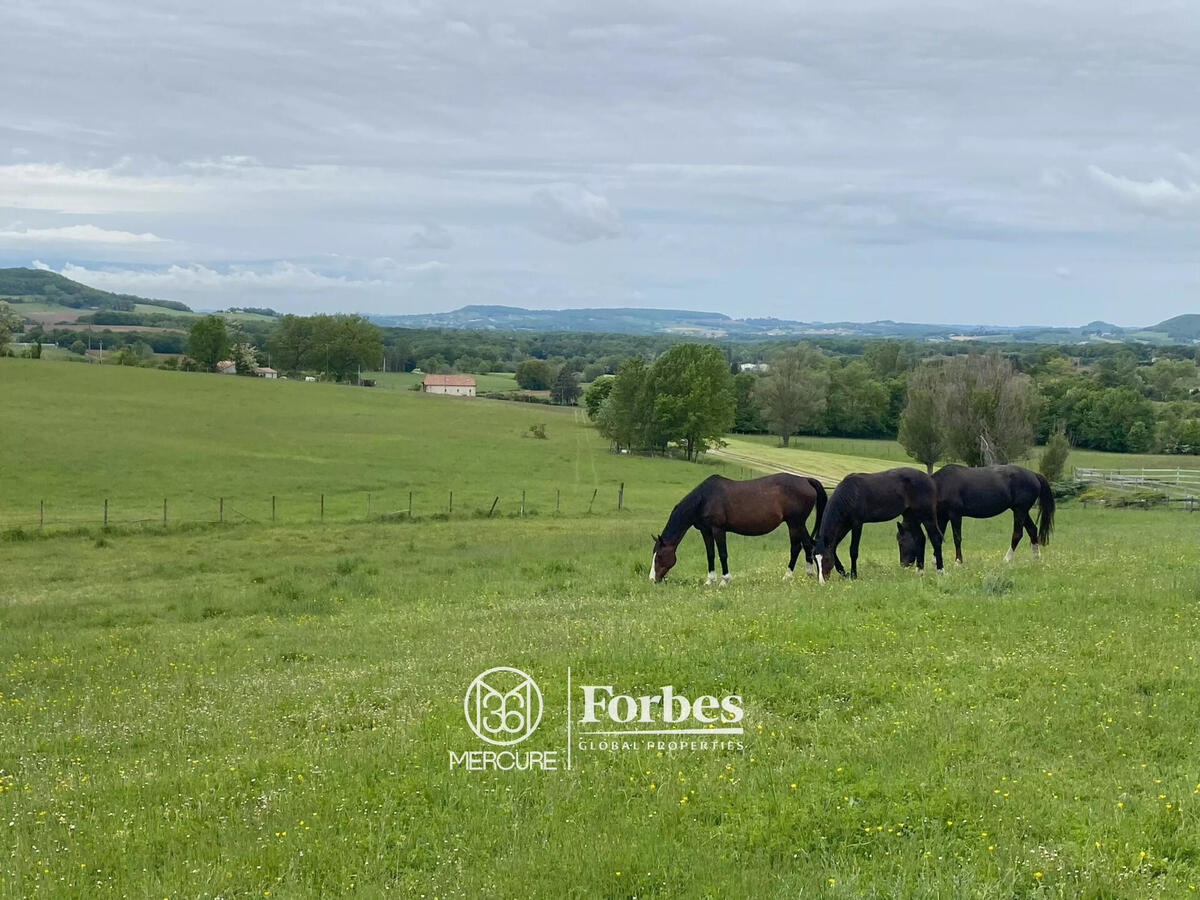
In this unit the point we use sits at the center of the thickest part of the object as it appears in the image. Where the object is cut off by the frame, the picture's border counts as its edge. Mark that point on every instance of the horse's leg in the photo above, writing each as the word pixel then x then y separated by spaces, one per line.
pixel 1018 526
pixel 935 538
pixel 855 535
pixel 794 536
pixel 806 541
pixel 1031 530
pixel 719 534
pixel 956 524
pixel 707 534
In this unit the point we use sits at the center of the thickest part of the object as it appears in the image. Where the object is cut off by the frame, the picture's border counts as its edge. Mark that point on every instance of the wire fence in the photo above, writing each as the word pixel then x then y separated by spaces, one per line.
pixel 417 504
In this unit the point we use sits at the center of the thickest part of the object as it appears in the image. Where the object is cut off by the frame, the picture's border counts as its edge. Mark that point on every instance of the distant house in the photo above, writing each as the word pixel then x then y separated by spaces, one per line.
pixel 454 385
pixel 265 372
pixel 753 367
pixel 227 367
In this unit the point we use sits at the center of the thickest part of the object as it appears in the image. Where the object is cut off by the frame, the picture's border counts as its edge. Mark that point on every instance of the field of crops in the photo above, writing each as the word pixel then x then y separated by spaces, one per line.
pixel 255 710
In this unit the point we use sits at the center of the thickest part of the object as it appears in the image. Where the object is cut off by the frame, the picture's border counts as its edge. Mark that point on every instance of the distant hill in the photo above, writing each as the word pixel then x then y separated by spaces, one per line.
pixel 38 286
pixel 1184 329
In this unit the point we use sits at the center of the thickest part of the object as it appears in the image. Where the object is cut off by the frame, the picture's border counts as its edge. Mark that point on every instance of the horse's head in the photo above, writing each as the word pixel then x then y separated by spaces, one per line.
pixel 662 559
pixel 823 554
pixel 910 543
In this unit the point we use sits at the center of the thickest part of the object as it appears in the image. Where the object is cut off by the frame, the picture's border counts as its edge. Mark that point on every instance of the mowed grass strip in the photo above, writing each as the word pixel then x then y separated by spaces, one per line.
pixel 253 710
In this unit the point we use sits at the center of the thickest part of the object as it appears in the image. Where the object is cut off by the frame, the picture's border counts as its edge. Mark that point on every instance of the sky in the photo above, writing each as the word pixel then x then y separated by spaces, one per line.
pixel 950 161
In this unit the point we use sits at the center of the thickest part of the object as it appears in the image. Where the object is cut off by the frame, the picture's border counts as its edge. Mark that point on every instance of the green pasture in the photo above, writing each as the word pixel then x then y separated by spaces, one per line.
pixel 871 449
pixel 248 710
pixel 78 435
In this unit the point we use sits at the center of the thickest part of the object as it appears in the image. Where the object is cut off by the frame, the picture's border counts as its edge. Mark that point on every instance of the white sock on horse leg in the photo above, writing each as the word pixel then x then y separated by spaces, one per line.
pixel 787 573
pixel 1008 555
pixel 725 579
pixel 1037 551
pixel 712 576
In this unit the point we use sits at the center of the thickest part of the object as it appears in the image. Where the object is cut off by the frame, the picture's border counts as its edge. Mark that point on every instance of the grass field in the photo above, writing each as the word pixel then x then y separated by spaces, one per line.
pixel 893 453
pixel 247 710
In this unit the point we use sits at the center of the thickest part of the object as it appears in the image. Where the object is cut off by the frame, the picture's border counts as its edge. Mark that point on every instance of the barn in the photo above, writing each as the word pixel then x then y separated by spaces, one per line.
pixel 454 385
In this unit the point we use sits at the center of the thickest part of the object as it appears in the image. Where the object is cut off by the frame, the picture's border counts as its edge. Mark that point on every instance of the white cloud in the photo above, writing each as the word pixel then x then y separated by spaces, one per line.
pixel 74 234
pixel 574 215
pixel 1159 196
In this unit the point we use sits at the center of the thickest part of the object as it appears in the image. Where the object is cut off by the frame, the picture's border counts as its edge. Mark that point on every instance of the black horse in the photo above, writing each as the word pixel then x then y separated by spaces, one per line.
pixel 877 497
pixel 980 493
pixel 719 505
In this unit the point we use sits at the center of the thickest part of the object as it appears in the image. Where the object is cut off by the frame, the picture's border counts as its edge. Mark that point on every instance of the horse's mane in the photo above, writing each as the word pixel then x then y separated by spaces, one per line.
pixel 684 514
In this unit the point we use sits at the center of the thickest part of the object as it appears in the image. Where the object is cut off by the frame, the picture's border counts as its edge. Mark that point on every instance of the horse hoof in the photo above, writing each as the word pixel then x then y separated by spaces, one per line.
pixel 787 575
pixel 920 572
pixel 724 580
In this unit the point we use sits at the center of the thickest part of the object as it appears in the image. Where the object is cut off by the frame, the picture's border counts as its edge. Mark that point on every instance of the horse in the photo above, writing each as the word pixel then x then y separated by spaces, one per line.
pixel 980 493
pixel 757 506
pixel 877 497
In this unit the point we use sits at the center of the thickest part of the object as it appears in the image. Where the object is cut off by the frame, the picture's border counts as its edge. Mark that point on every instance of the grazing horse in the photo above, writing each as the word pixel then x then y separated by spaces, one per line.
pixel 719 505
pixel 980 493
pixel 877 497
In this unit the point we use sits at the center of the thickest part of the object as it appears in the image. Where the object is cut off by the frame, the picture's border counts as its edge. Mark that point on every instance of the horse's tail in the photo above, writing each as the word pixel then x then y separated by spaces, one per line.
pixel 822 499
pixel 1045 510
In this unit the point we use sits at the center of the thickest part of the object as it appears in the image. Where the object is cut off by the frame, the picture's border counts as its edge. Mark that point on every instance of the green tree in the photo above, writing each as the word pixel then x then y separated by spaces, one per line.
pixel 986 408
pixel 534 375
pixel 10 322
pixel 208 342
pixel 920 432
pixel 1054 457
pixel 595 395
pixel 625 415
pixel 747 416
pixel 693 397
pixel 794 393
pixel 244 357
pixel 565 390
pixel 1168 379
pixel 858 402
pixel 78 347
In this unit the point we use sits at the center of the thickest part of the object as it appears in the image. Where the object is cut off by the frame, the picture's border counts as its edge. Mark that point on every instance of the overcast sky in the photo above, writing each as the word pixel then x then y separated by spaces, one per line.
pixel 952 161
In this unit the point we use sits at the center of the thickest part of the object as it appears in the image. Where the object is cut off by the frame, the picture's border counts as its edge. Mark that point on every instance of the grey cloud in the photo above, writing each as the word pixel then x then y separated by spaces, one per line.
pixel 574 215
pixel 431 236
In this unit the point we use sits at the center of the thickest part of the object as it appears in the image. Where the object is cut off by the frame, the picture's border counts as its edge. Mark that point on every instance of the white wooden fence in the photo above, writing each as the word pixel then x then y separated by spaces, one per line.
pixel 1176 482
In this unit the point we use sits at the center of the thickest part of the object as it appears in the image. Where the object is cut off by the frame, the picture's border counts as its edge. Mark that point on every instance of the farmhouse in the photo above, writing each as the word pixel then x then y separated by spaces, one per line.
pixel 454 385
pixel 265 372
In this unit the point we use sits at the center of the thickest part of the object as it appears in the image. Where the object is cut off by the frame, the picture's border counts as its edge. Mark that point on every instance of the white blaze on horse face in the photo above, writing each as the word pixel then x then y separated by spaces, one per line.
pixel 820 569
pixel 653 569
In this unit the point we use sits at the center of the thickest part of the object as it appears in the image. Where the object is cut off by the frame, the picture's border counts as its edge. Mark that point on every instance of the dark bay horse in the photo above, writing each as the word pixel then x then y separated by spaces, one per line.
pixel 719 505
pixel 877 497
pixel 980 493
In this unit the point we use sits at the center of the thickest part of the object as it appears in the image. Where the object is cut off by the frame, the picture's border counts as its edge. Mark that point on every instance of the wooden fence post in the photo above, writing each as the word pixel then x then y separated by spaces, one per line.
pixel 368 504
pixel 522 502
pixel 410 504
pixel 493 509
pixel 322 507
pixel 621 497
pixel 41 513
pixel 272 509
pixel 593 500
pixel 105 510
pixel 220 509
pixel 557 498
pixel 450 508
pixel 164 512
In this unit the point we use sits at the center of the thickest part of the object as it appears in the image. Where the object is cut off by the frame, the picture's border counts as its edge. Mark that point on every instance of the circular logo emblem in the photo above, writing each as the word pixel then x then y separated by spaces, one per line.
pixel 503 706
